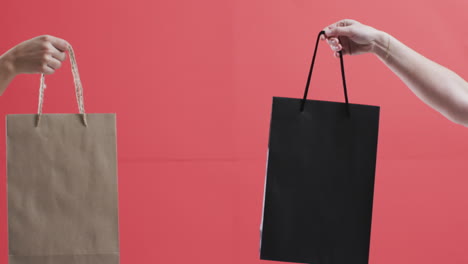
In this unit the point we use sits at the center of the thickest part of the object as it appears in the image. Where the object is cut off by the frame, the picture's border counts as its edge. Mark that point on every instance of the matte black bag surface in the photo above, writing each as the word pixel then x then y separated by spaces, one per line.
pixel 320 180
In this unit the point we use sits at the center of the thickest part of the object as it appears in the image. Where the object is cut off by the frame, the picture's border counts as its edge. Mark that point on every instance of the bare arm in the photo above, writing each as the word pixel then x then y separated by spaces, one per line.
pixel 435 85
pixel 43 54
pixel 6 72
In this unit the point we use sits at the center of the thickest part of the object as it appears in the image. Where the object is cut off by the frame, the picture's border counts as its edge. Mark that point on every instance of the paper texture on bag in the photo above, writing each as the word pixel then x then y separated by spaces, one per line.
pixel 62 185
pixel 62 188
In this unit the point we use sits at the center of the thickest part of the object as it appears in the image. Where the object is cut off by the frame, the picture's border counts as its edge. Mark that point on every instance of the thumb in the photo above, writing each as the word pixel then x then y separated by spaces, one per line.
pixel 338 31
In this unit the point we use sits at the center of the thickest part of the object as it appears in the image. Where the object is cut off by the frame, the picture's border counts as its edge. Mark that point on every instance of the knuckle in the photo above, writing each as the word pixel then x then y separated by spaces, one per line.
pixel 45 47
pixel 348 21
pixel 48 50
pixel 46 38
pixel 45 58
pixel 43 68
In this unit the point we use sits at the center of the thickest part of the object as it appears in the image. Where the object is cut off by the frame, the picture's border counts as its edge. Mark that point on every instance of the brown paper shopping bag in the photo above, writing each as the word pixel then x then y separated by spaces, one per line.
pixel 62 186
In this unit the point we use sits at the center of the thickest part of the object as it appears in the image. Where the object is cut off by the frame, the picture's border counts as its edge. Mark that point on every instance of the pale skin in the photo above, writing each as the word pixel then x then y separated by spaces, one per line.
pixel 436 85
pixel 42 54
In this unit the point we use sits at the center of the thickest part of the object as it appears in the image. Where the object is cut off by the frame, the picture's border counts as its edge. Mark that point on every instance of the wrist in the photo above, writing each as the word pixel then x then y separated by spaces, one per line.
pixel 381 45
pixel 7 66
pixel 7 70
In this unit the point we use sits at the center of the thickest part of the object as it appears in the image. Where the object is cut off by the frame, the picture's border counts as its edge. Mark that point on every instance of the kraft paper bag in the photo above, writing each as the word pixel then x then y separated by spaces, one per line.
pixel 320 180
pixel 62 186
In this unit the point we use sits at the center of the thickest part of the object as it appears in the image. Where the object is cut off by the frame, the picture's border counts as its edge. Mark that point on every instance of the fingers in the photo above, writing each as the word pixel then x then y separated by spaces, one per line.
pixel 58 43
pixel 57 46
pixel 49 65
pixel 345 23
pixel 342 28
pixel 54 63
pixel 334 44
pixel 61 56
pixel 54 53
pixel 345 31
pixel 47 70
pixel 342 23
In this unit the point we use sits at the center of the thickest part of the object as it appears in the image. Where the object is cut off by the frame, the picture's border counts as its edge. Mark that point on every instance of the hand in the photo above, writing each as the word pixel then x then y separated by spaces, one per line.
pixel 351 37
pixel 43 54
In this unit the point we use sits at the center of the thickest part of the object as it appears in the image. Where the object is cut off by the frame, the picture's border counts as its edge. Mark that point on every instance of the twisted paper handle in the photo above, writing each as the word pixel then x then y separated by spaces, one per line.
pixel 78 89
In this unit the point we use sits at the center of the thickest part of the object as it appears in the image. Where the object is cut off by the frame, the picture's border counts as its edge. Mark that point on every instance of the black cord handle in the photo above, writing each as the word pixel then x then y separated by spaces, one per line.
pixel 310 75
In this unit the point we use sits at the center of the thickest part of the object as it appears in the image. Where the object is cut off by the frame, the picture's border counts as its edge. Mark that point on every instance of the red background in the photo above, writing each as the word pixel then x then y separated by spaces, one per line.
pixel 191 83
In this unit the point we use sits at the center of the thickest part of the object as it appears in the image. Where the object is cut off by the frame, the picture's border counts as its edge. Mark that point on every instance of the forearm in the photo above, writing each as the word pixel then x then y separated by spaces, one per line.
pixel 437 86
pixel 6 71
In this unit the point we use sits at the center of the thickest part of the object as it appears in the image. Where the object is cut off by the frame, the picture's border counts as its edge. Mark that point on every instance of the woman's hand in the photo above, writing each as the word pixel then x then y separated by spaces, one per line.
pixel 437 86
pixel 351 37
pixel 43 54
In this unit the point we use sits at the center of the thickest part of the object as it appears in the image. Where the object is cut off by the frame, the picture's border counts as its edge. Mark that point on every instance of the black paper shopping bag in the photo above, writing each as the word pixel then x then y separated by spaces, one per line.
pixel 320 180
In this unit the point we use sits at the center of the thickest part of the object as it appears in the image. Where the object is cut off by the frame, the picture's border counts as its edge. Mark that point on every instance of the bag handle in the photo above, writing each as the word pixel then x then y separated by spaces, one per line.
pixel 78 89
pixel 310 75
